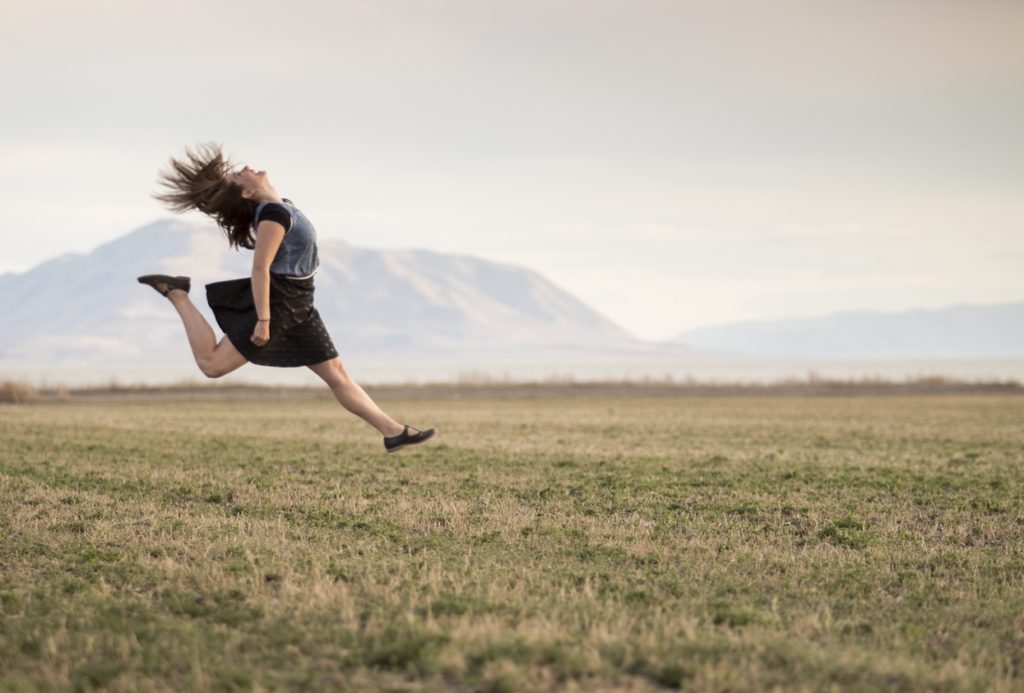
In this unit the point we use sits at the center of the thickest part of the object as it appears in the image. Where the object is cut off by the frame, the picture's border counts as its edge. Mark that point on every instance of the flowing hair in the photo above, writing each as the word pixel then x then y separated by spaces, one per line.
pixel 198 181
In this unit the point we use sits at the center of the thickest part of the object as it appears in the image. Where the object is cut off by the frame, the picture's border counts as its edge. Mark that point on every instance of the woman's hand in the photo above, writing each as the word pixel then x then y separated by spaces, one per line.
pixel 261 333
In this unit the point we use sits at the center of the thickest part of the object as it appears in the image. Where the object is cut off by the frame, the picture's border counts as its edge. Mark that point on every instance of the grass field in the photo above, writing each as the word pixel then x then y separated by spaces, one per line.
pixel 559 543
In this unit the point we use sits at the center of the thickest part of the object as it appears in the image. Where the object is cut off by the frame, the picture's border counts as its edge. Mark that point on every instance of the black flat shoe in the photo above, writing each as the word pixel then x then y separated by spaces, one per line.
pixel 183 283
pixel 404 438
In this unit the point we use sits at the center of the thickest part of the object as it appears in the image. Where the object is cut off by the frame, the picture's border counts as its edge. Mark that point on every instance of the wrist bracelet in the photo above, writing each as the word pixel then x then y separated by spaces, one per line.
pixel 259 320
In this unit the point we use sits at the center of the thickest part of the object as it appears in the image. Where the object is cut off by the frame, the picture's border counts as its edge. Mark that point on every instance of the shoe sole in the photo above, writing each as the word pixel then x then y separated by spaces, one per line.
pixel 147 278
pixel 413 442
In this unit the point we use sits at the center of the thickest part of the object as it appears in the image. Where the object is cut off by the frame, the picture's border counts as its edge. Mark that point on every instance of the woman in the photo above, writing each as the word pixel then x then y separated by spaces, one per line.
pixel 268 319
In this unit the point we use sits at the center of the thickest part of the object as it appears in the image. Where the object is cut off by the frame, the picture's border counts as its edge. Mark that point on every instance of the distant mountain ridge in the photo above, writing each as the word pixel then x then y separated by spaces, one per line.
pixel 961 331
pixel 419 314
pixel 89 308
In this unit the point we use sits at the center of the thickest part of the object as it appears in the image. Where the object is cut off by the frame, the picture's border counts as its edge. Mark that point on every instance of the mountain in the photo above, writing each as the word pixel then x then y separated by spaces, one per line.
pixel 961 331
pixel 82 311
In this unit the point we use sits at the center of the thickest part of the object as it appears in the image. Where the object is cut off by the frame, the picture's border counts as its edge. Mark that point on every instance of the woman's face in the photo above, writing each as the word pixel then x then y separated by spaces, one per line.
pixel 247 179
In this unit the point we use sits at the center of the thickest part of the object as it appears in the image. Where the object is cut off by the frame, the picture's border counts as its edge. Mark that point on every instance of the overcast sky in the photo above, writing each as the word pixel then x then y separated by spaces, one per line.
pixel 673 164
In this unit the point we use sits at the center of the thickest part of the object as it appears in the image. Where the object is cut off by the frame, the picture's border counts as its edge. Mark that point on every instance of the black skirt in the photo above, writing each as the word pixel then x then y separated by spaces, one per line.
pixel 297 334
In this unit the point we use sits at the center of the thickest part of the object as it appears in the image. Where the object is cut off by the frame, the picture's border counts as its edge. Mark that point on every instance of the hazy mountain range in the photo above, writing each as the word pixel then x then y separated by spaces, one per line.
pixel 963 331
pixel 83 317
pixel 82 310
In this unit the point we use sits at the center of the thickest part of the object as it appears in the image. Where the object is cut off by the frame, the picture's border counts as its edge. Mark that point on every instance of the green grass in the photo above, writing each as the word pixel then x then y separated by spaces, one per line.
pixel 718 543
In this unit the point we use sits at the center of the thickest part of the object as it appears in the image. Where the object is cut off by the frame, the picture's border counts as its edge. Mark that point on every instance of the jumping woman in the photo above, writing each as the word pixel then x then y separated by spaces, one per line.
pixel 268 319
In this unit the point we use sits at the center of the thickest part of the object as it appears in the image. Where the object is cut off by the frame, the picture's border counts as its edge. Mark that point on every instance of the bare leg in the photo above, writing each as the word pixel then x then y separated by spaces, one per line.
pixel 213 359
pixel 354 398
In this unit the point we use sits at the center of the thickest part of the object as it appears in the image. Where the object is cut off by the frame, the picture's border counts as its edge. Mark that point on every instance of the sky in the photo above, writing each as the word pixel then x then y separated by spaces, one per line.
pixel 672 164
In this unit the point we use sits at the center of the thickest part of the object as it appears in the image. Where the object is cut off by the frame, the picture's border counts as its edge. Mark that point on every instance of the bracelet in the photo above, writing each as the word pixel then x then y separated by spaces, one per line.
pixel 259 320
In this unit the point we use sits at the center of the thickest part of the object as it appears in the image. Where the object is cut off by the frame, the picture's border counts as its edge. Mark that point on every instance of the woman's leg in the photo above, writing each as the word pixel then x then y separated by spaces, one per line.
pixel 213 359
pixel 354 398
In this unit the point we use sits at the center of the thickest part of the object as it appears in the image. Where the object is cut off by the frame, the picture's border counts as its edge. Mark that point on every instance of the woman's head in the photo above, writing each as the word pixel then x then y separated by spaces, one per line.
pixel 250 181
pixel 205 180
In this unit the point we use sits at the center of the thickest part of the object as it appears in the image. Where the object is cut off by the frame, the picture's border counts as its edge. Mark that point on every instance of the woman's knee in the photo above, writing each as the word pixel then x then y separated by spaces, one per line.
pixel 224 359
pixel 212 372
pixel 337 375
pixel 211 368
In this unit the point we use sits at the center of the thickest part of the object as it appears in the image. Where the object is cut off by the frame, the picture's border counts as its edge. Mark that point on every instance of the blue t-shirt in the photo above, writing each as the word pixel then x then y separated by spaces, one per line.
pixel 297 256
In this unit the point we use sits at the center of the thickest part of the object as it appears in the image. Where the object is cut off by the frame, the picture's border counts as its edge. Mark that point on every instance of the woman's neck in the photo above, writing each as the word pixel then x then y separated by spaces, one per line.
pixel 268 194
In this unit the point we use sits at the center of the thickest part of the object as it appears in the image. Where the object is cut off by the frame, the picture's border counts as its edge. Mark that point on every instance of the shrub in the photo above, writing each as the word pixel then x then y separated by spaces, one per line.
pixel 11 391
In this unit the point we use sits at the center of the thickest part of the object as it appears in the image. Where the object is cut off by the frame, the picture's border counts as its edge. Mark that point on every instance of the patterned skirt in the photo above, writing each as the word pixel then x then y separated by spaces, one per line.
pixel 297 334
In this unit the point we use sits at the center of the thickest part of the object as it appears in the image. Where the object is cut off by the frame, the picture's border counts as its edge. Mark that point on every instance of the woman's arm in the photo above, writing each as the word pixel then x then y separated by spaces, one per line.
pixel 269 235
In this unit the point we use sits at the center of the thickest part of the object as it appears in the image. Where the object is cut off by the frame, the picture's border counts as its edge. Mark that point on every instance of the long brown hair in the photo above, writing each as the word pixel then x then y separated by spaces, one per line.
pixel 197 181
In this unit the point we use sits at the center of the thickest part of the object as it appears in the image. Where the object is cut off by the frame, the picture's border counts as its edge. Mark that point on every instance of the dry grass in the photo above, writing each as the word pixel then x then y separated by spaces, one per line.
pixel 598 543
pixel 13 392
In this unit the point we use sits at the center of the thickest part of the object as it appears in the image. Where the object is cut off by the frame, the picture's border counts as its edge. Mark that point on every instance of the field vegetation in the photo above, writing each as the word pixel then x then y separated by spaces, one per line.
pixel 572 541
